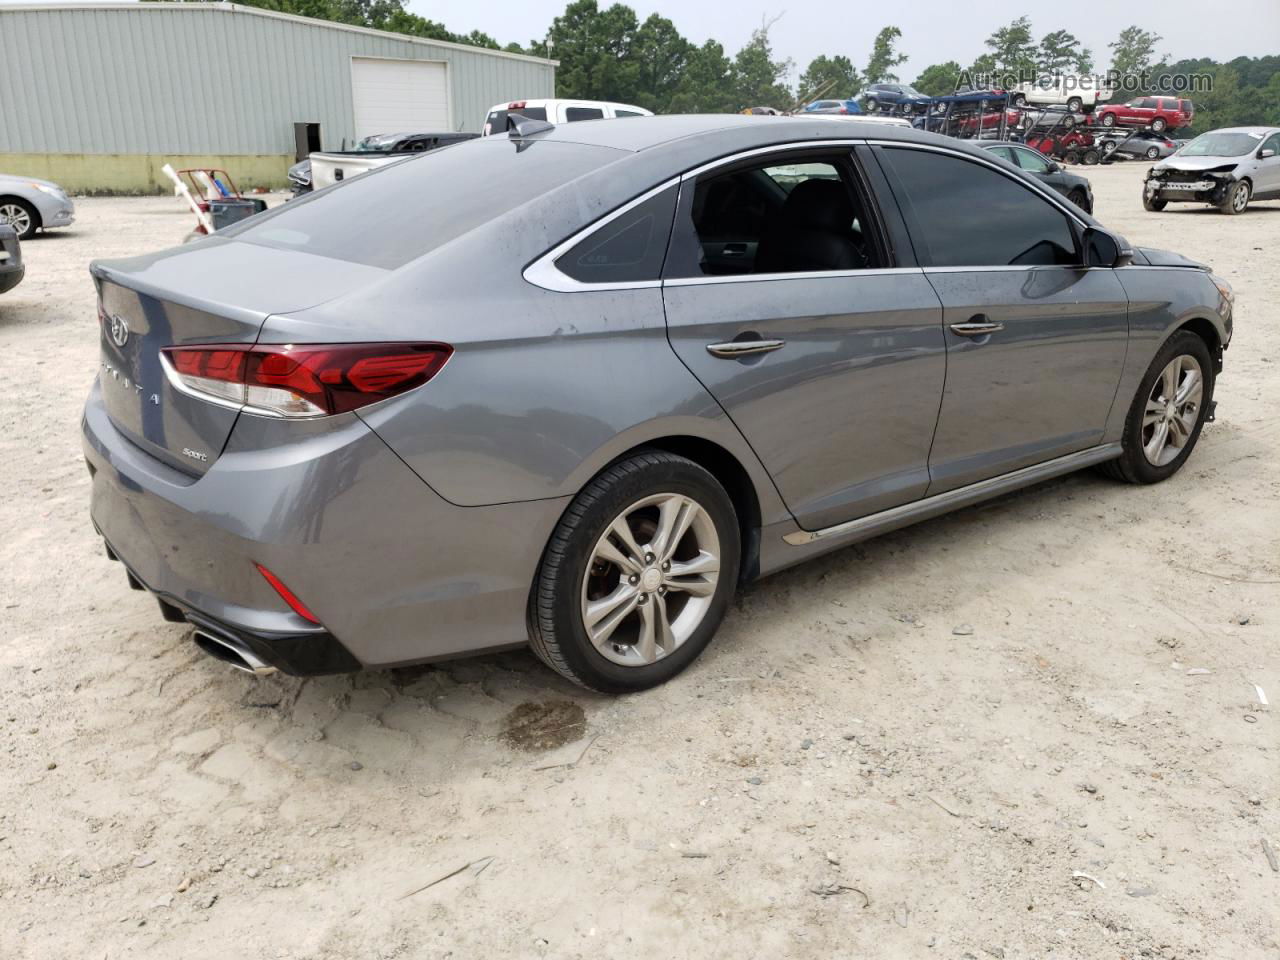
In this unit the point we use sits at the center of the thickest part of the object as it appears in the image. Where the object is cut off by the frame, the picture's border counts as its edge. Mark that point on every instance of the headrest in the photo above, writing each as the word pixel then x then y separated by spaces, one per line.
pixel 820 204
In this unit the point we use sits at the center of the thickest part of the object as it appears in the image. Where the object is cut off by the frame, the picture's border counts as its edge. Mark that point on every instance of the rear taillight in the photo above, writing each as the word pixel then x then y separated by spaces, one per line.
pixel 303 380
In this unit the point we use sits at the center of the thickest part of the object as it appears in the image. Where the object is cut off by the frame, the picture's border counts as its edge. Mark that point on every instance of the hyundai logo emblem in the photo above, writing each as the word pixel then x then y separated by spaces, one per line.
pixel 119 330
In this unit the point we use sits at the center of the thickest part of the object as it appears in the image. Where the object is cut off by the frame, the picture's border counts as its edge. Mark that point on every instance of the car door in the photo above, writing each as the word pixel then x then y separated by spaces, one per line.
pixel 820 340
pixel 1035 342
pixel 1266 178
pixel 1143 111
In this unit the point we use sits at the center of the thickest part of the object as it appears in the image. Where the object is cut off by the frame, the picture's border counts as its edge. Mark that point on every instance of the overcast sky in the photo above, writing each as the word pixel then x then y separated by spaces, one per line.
pixel 933 31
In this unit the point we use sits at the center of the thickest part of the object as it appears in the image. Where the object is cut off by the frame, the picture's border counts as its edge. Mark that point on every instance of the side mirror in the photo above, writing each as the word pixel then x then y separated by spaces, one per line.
pixel 1053 166
pixel 1264 154
pixel 1105 249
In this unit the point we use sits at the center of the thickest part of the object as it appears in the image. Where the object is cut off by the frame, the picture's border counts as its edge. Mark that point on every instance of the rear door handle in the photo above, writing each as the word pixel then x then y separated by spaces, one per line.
pixel 976 328
pixel 733 349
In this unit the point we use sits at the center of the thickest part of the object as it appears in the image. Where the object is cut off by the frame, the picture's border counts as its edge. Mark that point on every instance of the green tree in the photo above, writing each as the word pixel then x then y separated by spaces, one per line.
pixel 661 57
pixel 834 77
pixel 594 49
pixel 706 85
pixel 759 79
pixel 938 80
pixel 1061 50
pixel 1134 51
pixel 1013 49
pixel 884 57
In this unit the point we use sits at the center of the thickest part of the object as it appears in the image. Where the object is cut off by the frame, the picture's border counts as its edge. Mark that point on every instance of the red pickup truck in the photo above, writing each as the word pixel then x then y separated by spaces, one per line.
pixel 1158 113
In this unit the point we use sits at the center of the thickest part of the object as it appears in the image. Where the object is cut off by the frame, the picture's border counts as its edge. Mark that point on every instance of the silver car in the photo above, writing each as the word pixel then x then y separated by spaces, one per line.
pixel 1225 168
pixel 28 205
pixel 572 386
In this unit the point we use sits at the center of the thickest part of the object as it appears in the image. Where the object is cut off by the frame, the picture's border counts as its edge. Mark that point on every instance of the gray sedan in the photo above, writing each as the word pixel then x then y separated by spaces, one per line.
pixel 28 205
pixel 1048 171
pixel 572 387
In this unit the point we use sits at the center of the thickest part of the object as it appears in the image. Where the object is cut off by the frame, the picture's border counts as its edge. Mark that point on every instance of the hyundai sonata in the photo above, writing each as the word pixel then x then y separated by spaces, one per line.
pixel 570 386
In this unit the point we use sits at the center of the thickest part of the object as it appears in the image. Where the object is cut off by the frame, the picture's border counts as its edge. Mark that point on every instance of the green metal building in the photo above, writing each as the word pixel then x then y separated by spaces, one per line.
pixel 97 97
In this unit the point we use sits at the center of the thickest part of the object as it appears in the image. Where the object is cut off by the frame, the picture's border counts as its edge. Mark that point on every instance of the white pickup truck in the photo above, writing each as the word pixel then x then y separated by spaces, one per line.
pixel 371 152
pixel 1079 94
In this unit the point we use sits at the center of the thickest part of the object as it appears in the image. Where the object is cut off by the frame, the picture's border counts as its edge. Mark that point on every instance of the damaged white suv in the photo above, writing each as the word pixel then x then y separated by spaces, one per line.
pixel 1225 168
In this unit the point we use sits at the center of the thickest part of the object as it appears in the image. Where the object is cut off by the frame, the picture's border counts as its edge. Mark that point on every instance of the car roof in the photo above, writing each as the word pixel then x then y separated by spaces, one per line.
pixel 735 130
pixel 1257 131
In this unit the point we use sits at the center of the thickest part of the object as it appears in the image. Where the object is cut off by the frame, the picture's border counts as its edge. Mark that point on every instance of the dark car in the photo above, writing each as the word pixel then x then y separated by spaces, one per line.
pixel 574 384
pixel 895 95
pixel 1049 172
pixel 1158 113
pixel 11 269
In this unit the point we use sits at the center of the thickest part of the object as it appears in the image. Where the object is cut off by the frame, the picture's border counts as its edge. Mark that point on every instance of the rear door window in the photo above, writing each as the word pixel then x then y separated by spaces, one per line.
pixel 965 214
pixel 1030 160
pixel 572 114
pixel 781 215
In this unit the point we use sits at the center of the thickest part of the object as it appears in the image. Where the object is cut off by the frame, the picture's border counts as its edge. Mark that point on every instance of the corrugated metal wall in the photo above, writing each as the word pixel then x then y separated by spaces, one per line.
pixel 160 78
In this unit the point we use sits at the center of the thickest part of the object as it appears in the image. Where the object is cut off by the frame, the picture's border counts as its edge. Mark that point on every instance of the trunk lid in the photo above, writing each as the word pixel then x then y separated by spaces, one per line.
pixel 213 291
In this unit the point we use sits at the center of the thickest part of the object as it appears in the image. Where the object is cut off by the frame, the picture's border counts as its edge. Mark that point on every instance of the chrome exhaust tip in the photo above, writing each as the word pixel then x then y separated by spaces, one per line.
pixel 232 654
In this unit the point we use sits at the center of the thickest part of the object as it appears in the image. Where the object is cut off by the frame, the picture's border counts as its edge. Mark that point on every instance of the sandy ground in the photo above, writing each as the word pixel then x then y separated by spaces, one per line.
pixel 912 744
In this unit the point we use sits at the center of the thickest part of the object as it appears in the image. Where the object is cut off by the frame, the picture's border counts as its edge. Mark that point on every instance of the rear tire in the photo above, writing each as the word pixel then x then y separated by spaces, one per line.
pixel 1075 104
pixel 872 105
pixel 1091 157
pixel 1153 153
pixel 1071 156
pixel 1182 366
pixel 1236 200
pixel 610 609
pixel 1158 125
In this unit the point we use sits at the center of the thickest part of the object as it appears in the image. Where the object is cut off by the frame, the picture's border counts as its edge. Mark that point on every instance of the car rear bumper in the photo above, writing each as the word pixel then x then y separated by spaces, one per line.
pixel 394 573
pixel 11 275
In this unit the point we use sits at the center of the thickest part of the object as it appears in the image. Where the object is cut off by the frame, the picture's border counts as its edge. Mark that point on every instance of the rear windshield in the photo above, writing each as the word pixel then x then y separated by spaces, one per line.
pixel 410 207
pixel 496 121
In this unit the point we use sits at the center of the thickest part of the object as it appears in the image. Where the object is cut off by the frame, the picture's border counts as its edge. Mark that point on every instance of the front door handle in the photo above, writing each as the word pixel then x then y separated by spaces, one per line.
pixel 978 326
pixel 734 349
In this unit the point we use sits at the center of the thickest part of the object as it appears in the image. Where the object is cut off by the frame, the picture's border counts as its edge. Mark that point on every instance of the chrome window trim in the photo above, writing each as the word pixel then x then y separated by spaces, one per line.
pixel 544 273
pixel 796 275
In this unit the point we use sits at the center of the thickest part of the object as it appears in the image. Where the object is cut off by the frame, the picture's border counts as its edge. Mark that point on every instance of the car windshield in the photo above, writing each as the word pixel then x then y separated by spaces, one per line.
pixel 1222 145
pixel 911 91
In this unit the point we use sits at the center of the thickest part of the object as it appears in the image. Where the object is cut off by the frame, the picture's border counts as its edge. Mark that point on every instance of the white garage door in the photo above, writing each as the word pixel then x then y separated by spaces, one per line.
pixel 399 96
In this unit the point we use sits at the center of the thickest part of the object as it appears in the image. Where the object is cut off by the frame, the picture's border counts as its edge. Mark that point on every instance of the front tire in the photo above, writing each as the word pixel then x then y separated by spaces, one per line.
pixel 1091 157
pixel 1236 200
pixel 1152 205
pixel 1167 413
pixel 637 576
pixel 1108 119
pixel 1079 199
pixel 22 216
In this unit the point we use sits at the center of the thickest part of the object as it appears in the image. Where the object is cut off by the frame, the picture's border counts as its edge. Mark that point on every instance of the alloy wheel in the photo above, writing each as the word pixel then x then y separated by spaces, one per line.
pixel 16 217
pixel 651 579
pixel 1173 409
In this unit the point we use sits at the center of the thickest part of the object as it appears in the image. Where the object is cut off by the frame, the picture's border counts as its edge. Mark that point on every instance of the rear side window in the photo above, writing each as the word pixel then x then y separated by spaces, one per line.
pixel 627 249
pixel 1030 160
pixel 397 213
pixel 582 113
pixel 627 113
pixel 965 214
